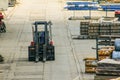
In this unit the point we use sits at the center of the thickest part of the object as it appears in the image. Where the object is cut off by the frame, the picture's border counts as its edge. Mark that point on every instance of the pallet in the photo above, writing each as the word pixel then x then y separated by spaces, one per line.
pixel 103 77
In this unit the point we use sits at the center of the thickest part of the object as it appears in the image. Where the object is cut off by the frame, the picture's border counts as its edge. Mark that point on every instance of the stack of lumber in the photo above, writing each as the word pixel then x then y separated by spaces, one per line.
pixel 116 1
pixel 105 52
pixel 108 67
pixel 102 77
pixel 90 65
pixel 116 78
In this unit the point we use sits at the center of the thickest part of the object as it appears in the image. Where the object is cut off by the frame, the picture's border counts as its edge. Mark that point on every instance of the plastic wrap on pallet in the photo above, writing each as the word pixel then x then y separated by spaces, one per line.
pixel 108 67
pixel 116 55
pixel 117 45
pixel 108 62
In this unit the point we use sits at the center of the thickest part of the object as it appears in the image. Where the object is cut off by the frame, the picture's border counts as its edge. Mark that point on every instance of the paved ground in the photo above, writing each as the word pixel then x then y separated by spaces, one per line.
pixel 69 63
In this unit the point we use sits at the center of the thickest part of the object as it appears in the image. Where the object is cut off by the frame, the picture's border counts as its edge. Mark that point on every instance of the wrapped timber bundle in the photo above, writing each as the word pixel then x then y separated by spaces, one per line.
pixel 116 55
pixel 105 53
pixel 117 44
pixel 108 67
pixel 116 1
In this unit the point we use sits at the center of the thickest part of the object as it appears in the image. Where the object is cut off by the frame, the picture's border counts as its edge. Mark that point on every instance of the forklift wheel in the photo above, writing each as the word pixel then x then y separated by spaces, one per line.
pixel 2 27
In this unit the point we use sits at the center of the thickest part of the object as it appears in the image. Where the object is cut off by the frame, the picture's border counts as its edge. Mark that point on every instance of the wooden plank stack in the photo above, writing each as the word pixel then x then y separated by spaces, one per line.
pixel 90 65
pixel 108 67
pixel 105 52
pixel 93 29
pixel 102 77
pixel 84 27
pixel 107 26
pixel 116 1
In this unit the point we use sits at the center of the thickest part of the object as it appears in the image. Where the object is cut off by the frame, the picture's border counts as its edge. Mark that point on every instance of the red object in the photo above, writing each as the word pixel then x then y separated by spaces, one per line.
pixel 51 42
pixel 32 43
pixel 1 16
pixel 117 12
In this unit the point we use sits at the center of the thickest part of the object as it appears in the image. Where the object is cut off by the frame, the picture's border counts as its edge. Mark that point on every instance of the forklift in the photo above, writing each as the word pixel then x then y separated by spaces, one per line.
pixel 117 14
pixel 41 48
pixel 2 24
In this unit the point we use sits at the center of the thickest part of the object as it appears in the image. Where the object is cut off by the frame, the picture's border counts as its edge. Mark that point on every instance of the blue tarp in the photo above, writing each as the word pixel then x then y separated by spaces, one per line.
pixel 81 6
pixel 110 7
pixel 79 3
pixel 85 6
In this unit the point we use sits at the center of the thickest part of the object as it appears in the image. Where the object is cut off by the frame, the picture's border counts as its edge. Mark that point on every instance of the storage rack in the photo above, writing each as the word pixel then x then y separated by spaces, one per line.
pixel 104 40
pixel 115 29
pixel 84 25
pixel 94 29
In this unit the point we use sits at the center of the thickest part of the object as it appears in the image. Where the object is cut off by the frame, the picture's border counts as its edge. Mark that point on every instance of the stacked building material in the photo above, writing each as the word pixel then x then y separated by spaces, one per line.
pixel 90 65
pixel 93 29
pixel 116 1
pixel 102 77
pixel 116 78
pixel 84 27
pixel 116 52
pixel 104 26
pixel 104 53
pixel 108 67
pixel 108 47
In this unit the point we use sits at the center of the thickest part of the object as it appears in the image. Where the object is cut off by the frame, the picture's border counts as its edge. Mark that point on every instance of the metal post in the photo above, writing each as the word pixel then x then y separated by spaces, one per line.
pixel 50 29
pixel 106 10
pixel 37 45
pixel 97 48
pixel 73 13
pixel 90 12
pixel 46 43
pixel 90 6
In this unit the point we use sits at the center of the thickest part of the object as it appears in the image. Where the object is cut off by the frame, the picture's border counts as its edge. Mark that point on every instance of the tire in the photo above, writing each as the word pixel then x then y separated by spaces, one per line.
pixel 2 27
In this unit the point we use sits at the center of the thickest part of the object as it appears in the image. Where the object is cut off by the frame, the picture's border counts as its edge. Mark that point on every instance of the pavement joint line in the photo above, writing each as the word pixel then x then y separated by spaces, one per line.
pixel 9 15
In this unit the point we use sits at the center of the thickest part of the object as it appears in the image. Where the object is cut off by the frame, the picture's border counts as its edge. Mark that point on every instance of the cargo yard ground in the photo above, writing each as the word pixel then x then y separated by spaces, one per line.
pixel 69 64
